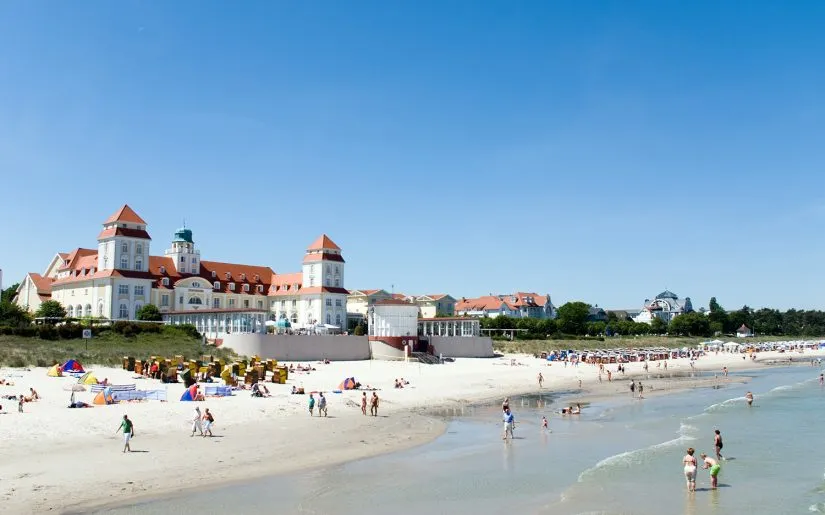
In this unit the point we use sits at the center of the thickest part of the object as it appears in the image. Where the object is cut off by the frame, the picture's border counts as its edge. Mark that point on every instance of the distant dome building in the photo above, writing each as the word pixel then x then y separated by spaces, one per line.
pixel 664 306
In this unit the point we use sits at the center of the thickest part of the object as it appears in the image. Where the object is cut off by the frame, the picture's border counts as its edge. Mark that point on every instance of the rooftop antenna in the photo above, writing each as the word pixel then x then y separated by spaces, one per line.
pixel 184 222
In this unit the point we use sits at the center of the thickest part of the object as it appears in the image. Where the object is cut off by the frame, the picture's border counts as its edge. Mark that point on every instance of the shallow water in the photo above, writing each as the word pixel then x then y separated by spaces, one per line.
pixel 621 456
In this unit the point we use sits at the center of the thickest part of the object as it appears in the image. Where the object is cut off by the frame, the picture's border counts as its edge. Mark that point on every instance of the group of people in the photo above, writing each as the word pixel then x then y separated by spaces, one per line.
pixel 373 402
pixel 710 464
pixel 322 404
pixel 400 383
pixel 634 386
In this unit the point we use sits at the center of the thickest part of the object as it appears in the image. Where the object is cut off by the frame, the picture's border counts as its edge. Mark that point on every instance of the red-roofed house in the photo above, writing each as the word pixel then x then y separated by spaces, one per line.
pixel 120 276
pixel 519 305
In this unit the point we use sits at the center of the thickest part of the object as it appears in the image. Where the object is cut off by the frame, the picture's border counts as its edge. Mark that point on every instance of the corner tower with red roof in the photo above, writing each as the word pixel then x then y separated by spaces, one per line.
pixel 323 292
pixel 124 242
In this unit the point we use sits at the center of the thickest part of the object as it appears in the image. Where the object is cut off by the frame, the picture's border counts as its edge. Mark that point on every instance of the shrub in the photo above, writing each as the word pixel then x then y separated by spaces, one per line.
pixel 128 330
pixel 186 329
pixel 17 362
pixel 47 332
pixel 26 331
pixel 6 330
pixel 69 331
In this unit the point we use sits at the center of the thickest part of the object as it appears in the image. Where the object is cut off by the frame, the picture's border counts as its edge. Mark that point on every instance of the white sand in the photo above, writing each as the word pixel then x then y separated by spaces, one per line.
pixel 54 458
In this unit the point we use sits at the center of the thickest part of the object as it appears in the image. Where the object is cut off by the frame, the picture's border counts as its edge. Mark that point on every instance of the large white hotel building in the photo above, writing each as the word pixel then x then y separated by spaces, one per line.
pixel 119 277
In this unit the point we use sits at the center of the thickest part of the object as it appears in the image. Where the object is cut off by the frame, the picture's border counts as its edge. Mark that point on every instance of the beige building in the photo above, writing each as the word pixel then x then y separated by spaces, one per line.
pixel 429 306
pixel 360 301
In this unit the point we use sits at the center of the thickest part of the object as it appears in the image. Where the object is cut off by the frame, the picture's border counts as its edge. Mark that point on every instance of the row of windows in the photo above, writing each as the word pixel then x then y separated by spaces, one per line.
pixel 124 263
pixel 123 289
pixel 124 248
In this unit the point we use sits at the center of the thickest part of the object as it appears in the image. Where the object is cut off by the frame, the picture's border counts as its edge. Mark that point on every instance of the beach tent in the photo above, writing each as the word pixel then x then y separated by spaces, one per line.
pixel 72 366
pixel 104 397
pixel 347 384
pixel 55 371
pixel 87 378
pixel 190 394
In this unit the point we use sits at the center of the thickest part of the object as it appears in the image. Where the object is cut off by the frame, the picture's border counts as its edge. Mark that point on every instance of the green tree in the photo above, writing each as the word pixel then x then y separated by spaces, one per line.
pixel 690 324
pixel 718 315
pixel 596 328
pixel 149 313
pixel 50 309
pixel 658 326
pixel 12 315
pixel 572 317
pixel 737 318
pixel 8 294
pixel 360 330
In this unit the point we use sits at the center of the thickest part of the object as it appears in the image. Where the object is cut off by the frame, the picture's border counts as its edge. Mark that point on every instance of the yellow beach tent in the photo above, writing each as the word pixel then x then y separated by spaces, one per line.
pixel 55 371
pixel 87 378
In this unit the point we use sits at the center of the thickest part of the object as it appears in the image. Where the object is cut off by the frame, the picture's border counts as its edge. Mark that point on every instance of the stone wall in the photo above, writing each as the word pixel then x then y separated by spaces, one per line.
pixel 299 347
pixel 462 347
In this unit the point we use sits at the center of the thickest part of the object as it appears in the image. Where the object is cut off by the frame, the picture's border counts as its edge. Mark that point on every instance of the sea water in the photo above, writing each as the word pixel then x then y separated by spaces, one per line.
pixel 621 456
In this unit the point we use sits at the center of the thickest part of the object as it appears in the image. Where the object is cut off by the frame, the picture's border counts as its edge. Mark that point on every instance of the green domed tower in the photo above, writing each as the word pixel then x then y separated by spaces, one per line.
pixel 183 252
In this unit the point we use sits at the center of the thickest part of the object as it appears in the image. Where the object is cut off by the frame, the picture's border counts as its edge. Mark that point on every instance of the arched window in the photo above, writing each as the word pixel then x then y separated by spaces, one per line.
pixel 124 311
pixel 329 319
pixel 295 318
pixel 217 285
pixel 195 300
pixel 138 264
pixel 137 308
pixel 78 311
pixel 70 312
pixel 124 262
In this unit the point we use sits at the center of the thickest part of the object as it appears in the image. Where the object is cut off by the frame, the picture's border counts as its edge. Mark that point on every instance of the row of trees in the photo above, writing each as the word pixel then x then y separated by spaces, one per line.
pixel 574 319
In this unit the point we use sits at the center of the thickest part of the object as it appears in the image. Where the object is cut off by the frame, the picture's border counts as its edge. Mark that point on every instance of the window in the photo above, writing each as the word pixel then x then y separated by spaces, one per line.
pixel 163 269
pixel 232 286
pixel 261 288
pixel 139 249
pixel 70 311
pixel 194 261
pixel 243 277
pixel 337 282
pixel 329 302
pixel 195 301
pixel 245 287
pixel 124 262
pixel 217 285
pixel 164 300
pixel 124 247
pixel 139 290
pixel 196 284
pixel 100 309
pixel 180 299
pixel 294 304
pixel 295 318
pixel 123 289
pixel 228 275
pixel 165 281
pixel 336 269
pixel 329 319
pixel 216 303
pixel 260 304
pixel 246 303
pixel 231 302
pixel 214 274
pixel 338 303
pixel 272 303
pixel 124 311
pixel 137 307
pixel 338 320
pixel 183 259
pixel 283 304
pixel 183 269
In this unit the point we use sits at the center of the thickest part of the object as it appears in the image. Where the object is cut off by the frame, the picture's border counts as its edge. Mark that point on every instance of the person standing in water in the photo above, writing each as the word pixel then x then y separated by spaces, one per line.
pixel 714 467
pixel 749 398
pixel 509 424
pixel 821 379
pixel 544 423
pixel 632 387
pixel 689 462
pixel 641 389
pixel 541 380
pixel 717 443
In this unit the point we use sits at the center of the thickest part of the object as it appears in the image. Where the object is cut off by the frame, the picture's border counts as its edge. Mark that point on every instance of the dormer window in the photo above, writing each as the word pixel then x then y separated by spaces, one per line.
pixel 196 284
pixel 163 269
pixel 214 274
pixel 228 275
pixel 257 278
pixel 245 287
pixel 286 287
pixel 296 287
pixel 217 285
pixel 243 277
pixel 232 286
pixel 261 288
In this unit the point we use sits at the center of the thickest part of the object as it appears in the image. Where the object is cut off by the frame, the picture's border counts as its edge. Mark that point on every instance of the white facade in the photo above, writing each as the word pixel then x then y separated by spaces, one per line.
pixel 393 319
pixel 121 276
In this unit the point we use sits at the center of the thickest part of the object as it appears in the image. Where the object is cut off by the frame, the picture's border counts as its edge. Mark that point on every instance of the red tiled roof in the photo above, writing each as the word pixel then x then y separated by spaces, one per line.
pixel 43 284
pixel 123 231
pixel 74 255
pixel 326 256
pixel 399 296
pixel 437 296
pixel 485 303
pixel 369 292
pixel 284 284
pixel 125 214
pixel 323 242
pixel 324 289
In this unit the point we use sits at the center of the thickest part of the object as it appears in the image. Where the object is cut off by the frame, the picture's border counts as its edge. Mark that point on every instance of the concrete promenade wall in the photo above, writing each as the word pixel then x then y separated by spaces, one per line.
pixel 285 347
pixel 381 350
pixel 462 347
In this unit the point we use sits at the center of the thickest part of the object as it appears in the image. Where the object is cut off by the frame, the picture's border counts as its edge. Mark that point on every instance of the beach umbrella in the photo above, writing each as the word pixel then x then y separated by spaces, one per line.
pixel 74 388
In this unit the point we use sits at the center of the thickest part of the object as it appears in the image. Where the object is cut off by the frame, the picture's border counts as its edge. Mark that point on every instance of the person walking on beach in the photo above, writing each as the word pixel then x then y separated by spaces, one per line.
pixel 322 404
pixel 374 405
pixel 609 376
pixel 689 462
pixel 717 444
pixel 714 467
pixel 196 422
pixel 645 366
pixel 364 404
pixel 509 424
pixel 311 404
pixel 20 402
pixel 541 380
pixel 208 420
pixel 641 389
pixel 749 398
pixel 632 387
pixel 128 432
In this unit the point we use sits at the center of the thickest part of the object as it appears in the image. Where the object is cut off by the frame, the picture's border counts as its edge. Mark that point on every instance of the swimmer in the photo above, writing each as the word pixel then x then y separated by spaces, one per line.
pixel 690 469
pixel 714 467
pixel 749 398
pixel 717 443
pixel 821 379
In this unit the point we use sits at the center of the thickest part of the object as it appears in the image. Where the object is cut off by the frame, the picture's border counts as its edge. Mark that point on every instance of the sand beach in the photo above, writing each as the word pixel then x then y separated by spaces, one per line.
pixel 64 460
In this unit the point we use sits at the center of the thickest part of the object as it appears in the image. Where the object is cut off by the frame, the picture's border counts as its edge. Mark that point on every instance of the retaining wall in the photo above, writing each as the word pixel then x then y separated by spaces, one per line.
pixel 284 347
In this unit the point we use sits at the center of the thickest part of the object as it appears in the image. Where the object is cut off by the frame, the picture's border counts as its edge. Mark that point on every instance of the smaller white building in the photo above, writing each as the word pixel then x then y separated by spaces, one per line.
pixel 744 332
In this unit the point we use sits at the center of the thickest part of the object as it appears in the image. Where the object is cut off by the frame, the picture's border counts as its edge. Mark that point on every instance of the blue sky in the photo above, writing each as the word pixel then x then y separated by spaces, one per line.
pixel 596 151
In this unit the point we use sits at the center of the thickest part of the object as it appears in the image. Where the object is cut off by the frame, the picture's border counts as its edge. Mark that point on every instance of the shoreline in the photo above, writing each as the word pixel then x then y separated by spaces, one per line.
pixel 271 444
